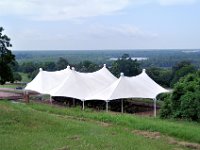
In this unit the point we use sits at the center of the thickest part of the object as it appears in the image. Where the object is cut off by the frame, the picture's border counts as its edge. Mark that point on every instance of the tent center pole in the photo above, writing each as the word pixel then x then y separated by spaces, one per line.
pixel 154 107
pixel 122 106
pixel 106 106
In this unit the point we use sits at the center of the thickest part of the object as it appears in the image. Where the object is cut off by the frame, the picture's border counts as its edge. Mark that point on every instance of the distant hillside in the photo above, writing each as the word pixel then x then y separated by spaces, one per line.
pixel 157 58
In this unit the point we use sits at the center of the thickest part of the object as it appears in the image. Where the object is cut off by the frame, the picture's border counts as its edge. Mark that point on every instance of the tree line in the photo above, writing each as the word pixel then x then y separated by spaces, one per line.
pixel 183 77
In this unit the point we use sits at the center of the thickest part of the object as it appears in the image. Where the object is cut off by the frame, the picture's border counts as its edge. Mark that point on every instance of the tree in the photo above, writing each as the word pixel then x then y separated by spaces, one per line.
pixel 87 66
pixel 184 102
pixel 49 66
pixel 126 65
pixel 6 58
pixel 180 70
pixel 160 75
pixel 17 76
pixel 61 63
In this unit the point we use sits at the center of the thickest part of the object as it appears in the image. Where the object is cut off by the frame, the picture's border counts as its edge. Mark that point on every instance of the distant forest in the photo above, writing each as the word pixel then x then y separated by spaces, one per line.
pixel 155 58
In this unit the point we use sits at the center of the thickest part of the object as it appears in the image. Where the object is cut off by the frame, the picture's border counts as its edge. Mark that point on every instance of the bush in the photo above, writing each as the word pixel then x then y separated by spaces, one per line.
pixel 184 102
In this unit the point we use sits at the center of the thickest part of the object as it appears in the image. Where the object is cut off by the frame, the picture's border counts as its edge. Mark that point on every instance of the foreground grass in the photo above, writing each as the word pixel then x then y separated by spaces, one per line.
pixel 39 126
pixel 189 131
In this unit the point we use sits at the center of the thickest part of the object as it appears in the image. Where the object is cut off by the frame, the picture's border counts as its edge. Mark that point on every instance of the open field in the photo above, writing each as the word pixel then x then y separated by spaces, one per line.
pixel 40 126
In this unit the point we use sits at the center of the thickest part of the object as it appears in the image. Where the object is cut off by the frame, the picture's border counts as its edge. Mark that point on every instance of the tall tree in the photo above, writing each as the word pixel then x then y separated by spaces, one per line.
pixel 6 59
pixel 61 63
pixel 126 65
pixel 180 70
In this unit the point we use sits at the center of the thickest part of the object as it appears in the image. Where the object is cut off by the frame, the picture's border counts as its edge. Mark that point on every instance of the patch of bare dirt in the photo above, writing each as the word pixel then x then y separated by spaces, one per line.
pixel 9 95
pixel 170 140
pixel 75 137
pixel 63 148
pixel 147 134
pixel 183 143
pixel 103 124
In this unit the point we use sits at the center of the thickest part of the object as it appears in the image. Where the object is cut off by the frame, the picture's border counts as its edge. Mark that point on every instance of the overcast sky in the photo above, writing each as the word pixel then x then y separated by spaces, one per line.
pixel 101 24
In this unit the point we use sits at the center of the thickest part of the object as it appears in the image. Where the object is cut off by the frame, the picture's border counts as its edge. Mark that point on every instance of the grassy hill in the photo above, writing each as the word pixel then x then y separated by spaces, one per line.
pixel 39 126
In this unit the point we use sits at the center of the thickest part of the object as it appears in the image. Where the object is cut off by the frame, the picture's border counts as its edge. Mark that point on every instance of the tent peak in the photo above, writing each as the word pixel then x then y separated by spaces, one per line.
pixel 68 66
pixel 40 69
pixel 143 70
pixel 104 65
pixel 73 68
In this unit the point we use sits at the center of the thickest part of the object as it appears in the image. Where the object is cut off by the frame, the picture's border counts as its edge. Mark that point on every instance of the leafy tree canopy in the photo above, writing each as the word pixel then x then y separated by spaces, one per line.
pixel 61 63
pixel 184 102
pixel 126 65
pixel 6 58
pixel 180 70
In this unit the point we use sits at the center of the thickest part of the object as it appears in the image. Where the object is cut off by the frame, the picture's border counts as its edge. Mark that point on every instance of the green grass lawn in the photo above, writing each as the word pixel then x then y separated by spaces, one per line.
pixel 39 126
pixel 12 86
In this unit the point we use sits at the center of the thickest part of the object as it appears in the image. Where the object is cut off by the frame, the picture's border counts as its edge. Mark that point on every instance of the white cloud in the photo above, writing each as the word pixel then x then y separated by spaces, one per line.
pixel 123 31
pixel 61 9
pixel 175 2
pixel 53 10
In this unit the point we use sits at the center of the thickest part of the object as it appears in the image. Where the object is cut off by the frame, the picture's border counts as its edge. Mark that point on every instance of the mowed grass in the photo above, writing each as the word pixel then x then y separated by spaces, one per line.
pixel 39 126
pixel 12 86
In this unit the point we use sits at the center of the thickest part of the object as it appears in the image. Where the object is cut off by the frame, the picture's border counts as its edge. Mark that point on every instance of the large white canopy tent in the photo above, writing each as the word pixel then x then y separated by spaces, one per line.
pixel 46 81
pixel 99 85
pixel 81 85
pixel 140 86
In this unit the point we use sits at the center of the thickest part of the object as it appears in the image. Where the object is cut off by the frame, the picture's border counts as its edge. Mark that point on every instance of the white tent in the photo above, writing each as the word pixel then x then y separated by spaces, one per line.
pixel 45 81
pixel 81 85
pixel 141 86
pixel 99 85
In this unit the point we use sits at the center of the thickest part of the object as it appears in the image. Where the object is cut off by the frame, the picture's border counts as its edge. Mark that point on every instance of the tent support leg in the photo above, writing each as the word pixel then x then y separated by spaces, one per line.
pixel 154 107
pixel 83 105
pixel 106 106
pixel 73 102
pixel 50 99
pixel 26 96
pixel 122 106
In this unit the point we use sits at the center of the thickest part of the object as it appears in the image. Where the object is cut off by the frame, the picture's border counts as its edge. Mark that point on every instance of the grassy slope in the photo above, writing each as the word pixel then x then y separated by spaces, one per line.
pixel 38 126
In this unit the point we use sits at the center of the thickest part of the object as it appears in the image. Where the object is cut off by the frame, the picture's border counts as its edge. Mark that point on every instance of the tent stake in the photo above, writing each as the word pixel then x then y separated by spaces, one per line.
pixel 122 106
pixel 154 107
pixel 83 105
pixel 106 106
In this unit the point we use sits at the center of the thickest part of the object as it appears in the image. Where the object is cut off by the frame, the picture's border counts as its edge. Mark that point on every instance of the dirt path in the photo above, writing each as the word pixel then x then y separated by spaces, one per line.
pixel 9 95
pixel 170 140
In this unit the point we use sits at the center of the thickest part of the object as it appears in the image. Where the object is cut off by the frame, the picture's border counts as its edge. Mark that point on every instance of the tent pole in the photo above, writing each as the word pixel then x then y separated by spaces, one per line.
pixel 27 96
pixel 73 102
pixel 154 107
pixel 50 99
pixel 106 106
pixel 83 105
pixel 122 106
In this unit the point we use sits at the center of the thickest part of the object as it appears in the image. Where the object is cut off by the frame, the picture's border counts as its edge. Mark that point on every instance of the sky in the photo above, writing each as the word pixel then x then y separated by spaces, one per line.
pixel 101 24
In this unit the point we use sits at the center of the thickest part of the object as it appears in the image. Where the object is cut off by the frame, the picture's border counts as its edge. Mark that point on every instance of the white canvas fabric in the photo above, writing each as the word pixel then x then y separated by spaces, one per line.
pixel 45 80
pixel 81 85
pixel 99 85
pixel 141 86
